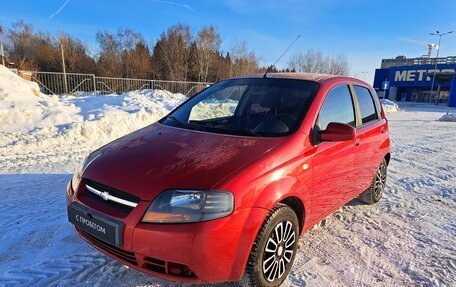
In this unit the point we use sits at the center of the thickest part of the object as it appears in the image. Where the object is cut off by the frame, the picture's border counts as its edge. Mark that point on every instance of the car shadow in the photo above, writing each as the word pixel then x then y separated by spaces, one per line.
pixel 354 202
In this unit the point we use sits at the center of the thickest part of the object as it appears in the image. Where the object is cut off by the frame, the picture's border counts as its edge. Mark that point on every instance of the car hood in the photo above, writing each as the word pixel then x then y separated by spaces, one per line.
pixel 159 157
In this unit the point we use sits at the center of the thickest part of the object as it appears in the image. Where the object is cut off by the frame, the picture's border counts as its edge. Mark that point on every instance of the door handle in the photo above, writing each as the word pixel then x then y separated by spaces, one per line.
pixel 357 142
pixel 382 130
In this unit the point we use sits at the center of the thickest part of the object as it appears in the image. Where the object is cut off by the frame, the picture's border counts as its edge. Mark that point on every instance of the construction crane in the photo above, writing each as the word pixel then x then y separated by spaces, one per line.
pixel 429 45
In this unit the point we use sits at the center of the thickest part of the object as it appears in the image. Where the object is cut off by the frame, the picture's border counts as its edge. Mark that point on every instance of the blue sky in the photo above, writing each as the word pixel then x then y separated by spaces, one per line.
pixel 364 30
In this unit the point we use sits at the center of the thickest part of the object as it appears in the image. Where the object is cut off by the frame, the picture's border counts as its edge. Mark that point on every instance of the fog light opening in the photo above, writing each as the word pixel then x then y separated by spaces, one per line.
pixel 181 270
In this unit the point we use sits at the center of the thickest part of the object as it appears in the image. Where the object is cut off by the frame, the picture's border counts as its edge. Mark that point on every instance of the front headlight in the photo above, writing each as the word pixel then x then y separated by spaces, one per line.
pixel 181 206
pixel 76 179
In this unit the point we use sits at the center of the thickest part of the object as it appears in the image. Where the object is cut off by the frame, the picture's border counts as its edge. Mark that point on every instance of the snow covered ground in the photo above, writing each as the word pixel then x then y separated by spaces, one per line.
pixel 408 239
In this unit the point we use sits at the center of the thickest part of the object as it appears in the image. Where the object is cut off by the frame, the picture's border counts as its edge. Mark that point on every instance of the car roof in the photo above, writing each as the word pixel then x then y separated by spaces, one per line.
pixel 319 78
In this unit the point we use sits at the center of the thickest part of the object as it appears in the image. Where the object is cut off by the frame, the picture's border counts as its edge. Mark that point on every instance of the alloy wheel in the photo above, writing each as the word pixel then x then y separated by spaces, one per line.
pixel 278 251
pixel 380 181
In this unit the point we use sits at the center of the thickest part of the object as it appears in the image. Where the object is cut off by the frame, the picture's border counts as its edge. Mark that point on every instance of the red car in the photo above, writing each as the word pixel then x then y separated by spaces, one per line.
pixel 221 188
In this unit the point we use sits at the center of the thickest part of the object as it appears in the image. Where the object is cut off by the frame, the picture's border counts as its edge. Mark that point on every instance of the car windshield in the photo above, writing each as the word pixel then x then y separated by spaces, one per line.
pixel 252 107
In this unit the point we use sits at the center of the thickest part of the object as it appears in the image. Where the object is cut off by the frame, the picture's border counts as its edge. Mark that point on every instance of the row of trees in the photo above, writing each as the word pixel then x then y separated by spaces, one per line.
pixel 176 55
pixel 32 50
pixel 315 62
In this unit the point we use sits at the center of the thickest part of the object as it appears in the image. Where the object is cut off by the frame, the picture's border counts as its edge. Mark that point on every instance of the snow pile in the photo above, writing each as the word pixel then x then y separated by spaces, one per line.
pixel 76 124
pixel 100 119
pixel 389 106
pixel 23 107
pixel 111 116
pixel 448 118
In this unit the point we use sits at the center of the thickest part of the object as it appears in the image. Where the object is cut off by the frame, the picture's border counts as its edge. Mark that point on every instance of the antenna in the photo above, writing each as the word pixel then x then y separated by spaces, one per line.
pixel 270 67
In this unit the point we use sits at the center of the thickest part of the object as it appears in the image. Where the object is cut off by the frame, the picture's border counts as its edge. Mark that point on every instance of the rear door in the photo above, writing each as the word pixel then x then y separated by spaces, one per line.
pixel 371 133
pixel 333 162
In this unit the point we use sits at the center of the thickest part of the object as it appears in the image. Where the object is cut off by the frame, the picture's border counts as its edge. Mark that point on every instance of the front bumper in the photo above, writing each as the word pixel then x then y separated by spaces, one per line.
pixel 211 251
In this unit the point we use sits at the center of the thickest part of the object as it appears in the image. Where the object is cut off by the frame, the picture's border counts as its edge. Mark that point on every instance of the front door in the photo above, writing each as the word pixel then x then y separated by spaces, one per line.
pixel 333 162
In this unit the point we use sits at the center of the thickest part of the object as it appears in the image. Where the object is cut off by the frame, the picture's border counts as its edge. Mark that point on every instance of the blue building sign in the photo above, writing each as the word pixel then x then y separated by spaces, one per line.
pixel 413 82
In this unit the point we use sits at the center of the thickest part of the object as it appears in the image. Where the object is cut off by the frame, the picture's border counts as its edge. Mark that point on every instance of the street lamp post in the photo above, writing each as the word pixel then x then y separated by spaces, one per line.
pixel 437 33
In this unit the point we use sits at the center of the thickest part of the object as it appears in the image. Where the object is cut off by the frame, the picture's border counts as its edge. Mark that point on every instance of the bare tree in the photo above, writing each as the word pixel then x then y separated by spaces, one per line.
pixel 123 54
pixel 23 39
pixel 243 61
pixel 77 59
pixel 46 55
pixel 130 40
pixel 339 65
pixel 208 44
pixel 41 51
pixel 109 61
pixel 315 62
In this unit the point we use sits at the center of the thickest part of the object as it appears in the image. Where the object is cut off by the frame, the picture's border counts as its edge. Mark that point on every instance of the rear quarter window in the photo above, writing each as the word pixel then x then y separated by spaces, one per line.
pixel 366 105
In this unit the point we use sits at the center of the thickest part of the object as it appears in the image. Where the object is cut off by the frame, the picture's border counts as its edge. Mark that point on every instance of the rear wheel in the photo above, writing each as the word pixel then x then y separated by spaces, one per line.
pixel 375 192
pixel 274 249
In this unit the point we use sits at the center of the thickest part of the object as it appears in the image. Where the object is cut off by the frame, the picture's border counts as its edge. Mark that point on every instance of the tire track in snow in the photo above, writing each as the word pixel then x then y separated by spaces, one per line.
pixel 54 272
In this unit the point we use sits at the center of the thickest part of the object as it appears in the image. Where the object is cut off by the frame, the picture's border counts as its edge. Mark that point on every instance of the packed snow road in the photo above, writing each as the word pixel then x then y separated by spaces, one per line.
pixel 408 239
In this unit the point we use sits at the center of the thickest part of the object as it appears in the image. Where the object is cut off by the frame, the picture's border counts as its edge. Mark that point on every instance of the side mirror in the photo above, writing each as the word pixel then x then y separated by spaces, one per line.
pixel 338 132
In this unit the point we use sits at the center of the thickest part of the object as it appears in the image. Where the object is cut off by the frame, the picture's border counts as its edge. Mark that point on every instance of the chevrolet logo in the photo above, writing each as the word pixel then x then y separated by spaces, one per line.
pixel 104 195
pixel 109 197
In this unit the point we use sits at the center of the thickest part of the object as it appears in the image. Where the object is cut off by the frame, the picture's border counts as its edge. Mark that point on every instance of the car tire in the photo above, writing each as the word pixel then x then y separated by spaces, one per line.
pixel 274 249
pixel 375 192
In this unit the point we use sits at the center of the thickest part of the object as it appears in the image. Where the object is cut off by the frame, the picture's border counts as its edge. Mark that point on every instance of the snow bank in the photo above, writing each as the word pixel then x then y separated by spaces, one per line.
pixel 31 121
pixel 111 116
pixel 448 118
pixel 23 107
pixel 389 106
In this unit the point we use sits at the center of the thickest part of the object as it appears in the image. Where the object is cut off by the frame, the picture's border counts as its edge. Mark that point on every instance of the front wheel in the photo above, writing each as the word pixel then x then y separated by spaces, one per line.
pixel 274 249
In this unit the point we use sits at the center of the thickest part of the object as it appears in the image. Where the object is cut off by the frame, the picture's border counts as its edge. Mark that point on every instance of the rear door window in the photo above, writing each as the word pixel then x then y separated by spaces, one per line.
pixel 366 105
pixel 338 107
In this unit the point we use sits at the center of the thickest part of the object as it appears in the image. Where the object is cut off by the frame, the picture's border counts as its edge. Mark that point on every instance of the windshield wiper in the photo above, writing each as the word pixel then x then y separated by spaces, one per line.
pixel 210 123
pixel 215 124
pixel 246 132
pixel 171 117
pixel 240 130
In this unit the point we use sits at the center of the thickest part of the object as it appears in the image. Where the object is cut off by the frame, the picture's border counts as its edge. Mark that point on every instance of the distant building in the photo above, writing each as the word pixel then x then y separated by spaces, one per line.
pixel 410 79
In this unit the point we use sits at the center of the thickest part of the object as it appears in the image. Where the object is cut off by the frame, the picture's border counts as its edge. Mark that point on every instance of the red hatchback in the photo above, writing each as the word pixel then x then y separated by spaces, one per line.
pixel 222 187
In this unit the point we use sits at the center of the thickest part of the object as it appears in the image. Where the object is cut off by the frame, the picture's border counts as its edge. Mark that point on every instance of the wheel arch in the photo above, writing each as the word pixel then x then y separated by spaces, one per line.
pixel 387 158
pixel 297 205
pixel 281 191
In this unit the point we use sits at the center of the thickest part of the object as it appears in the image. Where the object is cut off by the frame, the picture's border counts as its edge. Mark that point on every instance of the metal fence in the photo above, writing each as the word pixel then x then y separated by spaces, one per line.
pixel 58 83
